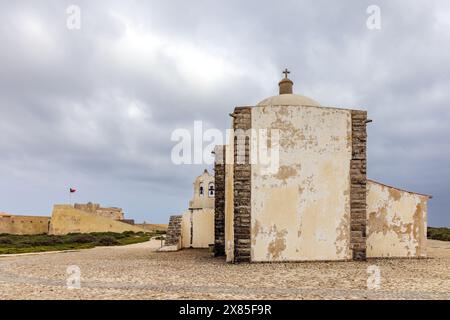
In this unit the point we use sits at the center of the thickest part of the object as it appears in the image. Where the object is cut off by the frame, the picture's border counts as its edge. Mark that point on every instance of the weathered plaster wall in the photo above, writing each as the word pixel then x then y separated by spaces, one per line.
pixel 396 222
pixel 186 225
pixel 303 211
pixel 21 225
pixel 203 228
pixel 229 200
pixel 197 228
pixel 66 219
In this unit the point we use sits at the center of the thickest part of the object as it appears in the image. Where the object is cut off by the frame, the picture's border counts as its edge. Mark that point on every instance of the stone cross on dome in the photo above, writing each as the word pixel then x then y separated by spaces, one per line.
pixel 285 84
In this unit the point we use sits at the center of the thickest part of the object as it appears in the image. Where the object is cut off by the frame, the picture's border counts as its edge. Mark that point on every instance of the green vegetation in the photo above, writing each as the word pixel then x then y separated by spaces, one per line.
pixel 442 234
pixel 10 244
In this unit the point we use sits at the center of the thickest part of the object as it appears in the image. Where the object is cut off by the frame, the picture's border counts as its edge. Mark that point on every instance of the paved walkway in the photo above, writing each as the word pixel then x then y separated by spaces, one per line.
pixel 138 272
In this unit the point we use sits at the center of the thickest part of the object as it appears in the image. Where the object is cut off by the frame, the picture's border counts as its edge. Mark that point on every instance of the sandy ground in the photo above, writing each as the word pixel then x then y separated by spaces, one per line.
pixel 138 272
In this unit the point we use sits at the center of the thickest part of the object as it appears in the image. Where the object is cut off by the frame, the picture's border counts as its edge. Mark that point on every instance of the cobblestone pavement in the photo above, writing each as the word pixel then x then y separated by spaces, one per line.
pixel 138 272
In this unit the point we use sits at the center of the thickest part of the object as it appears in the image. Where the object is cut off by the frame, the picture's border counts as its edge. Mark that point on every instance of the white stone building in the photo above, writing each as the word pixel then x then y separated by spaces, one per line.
pixel 318 204
pixel 195 227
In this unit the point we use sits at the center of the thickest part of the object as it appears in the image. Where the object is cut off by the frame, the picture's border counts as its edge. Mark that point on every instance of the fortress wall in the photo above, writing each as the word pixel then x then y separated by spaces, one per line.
pixel 66 219
pixel 96 209
pixel 396 222
pixel 112 213
pixel 22 225
pixel 151 227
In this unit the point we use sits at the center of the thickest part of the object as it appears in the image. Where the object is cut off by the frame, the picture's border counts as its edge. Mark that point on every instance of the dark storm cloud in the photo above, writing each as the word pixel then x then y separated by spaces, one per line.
pixel 95 108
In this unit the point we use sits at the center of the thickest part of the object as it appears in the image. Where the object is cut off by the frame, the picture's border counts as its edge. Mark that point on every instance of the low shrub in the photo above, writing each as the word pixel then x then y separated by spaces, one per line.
pixel 4 240
pixel 107 241
pixel 81 238
pixel 43 241
pixel 442 234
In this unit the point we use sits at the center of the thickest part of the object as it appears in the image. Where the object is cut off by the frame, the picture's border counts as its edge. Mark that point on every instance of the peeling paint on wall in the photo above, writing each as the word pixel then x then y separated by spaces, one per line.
pixel 303 211
pixel 396 222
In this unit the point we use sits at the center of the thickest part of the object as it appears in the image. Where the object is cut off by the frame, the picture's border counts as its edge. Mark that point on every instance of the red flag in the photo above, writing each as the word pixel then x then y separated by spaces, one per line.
pixel 72 190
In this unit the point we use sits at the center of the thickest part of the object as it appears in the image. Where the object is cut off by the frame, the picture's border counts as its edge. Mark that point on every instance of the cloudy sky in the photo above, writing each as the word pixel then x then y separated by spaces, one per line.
pixel 95 108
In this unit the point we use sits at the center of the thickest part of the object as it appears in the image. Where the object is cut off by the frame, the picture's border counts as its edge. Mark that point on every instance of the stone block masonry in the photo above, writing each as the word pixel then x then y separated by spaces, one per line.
pixel 242 185
pixel 358 190
pixel 173 231
pixel 219 201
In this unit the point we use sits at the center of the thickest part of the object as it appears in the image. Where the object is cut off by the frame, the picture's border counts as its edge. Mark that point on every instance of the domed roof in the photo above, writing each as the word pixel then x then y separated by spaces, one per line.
pixel 286 96
pixel 289 100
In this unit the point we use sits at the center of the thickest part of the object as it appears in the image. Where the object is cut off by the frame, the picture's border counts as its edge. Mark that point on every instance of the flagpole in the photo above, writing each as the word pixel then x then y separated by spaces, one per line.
pixel 70 194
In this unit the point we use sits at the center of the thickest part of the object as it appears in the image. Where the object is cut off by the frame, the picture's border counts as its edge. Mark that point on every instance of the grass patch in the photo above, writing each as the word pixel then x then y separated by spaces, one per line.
pixel 10 244
pixel 442 234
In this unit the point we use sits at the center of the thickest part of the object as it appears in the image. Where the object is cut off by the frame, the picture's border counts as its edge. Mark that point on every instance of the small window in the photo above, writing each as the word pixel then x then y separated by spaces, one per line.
pixel 201 190
pixel 211 190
